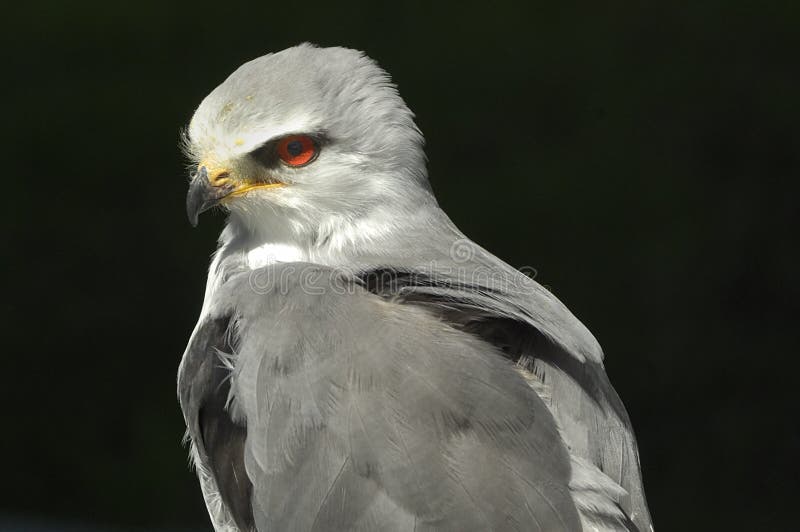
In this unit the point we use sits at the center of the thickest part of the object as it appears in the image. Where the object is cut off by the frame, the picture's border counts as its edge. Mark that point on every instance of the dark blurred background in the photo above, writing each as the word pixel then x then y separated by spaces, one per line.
pixel 643 158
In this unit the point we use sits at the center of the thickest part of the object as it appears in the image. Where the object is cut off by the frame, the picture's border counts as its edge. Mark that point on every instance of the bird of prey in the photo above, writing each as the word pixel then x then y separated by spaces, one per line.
pixel 358 363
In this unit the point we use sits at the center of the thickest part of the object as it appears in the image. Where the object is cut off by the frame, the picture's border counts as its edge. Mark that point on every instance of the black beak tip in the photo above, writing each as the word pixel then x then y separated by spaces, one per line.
pixel 198 196
pixel 193 208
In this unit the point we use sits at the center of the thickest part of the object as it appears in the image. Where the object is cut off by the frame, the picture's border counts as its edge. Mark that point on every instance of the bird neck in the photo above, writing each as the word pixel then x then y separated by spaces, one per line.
pixel 332 240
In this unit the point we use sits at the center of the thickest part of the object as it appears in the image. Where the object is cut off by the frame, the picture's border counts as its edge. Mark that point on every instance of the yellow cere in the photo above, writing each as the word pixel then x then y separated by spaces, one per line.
pixel 219 176
pixel 216 175
pixel 247 188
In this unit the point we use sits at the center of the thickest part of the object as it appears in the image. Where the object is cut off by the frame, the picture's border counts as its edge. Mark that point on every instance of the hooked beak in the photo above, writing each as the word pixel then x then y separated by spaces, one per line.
pixel 205 193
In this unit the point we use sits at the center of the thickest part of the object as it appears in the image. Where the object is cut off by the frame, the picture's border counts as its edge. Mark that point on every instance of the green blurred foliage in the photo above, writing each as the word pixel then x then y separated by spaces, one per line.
pixel 643 157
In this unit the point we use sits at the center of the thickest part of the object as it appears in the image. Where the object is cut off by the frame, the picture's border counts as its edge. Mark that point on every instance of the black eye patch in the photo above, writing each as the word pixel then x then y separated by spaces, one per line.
pixel 293 150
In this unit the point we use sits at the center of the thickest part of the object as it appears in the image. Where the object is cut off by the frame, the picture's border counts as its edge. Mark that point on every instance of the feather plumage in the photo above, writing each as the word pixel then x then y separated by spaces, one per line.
pixel 392 375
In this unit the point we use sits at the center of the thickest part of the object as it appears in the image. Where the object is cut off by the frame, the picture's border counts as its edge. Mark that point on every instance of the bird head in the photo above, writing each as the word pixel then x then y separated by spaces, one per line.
pixel 302 137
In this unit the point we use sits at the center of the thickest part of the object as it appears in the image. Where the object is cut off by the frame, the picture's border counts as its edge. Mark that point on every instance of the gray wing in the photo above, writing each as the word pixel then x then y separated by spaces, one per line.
pixel 434 265
pixel 536 331
pixel 364 413
pixel 217 440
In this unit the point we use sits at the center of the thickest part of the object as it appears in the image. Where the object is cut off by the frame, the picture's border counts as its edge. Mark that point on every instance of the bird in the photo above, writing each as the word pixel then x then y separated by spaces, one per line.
pixel 358 362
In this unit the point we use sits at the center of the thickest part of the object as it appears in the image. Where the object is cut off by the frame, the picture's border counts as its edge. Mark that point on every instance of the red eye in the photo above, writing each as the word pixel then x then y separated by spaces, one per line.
pixel 297 150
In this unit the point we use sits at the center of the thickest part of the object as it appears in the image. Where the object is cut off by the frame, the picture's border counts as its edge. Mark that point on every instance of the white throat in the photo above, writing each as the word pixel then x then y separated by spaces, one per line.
pixel 272 252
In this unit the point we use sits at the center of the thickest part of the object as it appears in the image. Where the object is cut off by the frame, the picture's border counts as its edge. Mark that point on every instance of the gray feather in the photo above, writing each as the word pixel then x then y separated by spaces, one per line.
pixel 430 424
pixel 590 415
pixel 353 394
